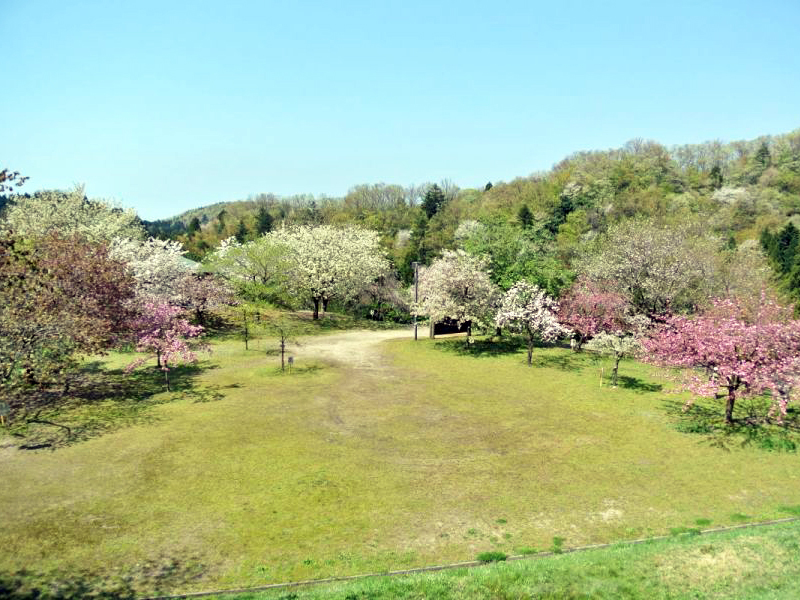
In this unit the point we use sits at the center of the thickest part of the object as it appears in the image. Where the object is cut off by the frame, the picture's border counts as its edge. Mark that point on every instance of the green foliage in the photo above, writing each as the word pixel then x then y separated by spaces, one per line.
pixel 515 256
pixel 493 556
pixel 433 200
pixel 263 220
pixel 525 216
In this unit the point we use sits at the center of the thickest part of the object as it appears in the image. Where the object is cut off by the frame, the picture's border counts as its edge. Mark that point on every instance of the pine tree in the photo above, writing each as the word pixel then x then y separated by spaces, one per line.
pixel 263 221
pixel 241 232
pixel 716 177
pixel 525 216
pixel 762 156
pixel 433 200
pixel 194 226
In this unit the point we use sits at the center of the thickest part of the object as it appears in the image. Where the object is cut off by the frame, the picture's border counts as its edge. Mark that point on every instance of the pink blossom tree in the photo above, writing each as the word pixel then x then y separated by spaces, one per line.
pixel 743 349
pixel 587 310
pixel 527 309
pixel 160 329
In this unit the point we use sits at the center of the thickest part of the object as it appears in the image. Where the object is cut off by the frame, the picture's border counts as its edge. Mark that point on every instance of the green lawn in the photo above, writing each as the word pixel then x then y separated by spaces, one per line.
pixel 757 564
pixel 433 455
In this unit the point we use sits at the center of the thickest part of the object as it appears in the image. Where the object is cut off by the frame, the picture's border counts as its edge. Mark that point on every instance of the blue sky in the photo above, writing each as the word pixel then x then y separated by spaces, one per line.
pixel 166 106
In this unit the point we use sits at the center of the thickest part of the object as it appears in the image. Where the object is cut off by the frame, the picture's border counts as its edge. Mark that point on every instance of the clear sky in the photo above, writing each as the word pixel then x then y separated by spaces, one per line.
pixel 170 105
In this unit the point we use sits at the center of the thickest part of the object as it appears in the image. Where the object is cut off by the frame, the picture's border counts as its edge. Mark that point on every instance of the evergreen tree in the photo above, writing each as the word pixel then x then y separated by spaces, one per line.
pixel 241 232
pixel 762 156
pixel 263 221
pixel 786 247
pixel 716 177
pixel 194 226
pixel 433 200
pixel 221 220
pixel 525 216
pixel 487 187
pixel 417 250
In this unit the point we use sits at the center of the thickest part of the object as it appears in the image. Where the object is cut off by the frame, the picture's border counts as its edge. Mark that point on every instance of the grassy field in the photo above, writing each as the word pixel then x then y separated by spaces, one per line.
pixel 432 453
pixel 757 564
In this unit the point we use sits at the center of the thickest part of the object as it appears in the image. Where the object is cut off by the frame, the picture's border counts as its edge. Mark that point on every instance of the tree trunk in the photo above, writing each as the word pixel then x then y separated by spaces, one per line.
pixel 158 358
pixel 166 377
pixel 498 331
pixel 324 305
pixel 617 358
pixel 530 350
pixel 316 309
pixel 729 405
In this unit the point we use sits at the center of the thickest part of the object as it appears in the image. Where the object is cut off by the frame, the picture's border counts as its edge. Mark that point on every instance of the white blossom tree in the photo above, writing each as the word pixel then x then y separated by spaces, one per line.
pixel 618 345
pixel 656 268
pixel 457 287
pixel 70 213
pixel 527 309
pixel 326 261
pixel 158 266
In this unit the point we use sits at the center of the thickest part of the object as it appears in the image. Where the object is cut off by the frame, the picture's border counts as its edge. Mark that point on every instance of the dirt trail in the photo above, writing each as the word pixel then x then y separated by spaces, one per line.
pixel 358 349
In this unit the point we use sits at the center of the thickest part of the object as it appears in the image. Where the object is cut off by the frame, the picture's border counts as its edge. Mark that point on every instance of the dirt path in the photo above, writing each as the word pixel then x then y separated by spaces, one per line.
pixel 358 349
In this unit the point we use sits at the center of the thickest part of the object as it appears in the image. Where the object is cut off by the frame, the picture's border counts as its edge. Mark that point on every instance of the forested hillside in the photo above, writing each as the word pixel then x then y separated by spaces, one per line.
pixel 536 226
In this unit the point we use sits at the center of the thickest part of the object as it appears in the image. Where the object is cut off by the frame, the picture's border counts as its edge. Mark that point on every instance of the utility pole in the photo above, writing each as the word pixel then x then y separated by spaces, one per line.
pixel 415 265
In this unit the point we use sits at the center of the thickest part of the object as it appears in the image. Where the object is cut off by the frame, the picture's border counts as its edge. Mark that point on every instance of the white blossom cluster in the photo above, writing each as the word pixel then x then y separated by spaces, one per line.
pixel 70 213
pixel 616 344
pixel 526 308
pixel 457 287
pixel 158 266
pixel 326 261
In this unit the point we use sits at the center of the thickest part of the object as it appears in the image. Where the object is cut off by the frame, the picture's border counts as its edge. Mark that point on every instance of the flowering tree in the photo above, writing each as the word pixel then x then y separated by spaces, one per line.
pixel 654 267
pixel 326 261
pixel 587 310
pixel 744 350
pixel 60 297
pixel 617 344
pixel 158 266
pixel 201 294
pixel 457 287
pixel 161 330
pixel 527 309
pixel 69 214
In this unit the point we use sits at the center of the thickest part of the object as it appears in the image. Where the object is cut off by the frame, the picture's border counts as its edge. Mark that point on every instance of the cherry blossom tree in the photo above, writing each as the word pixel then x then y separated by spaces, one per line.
pixel 71 214
pixel 161 330
pixel 618 344
pixel 457 287
pixel 587 310
pixel 200 294
pixel 326 261
pixel 656 268
pixel 527 309
pixel 60 297
pixel 745 350
pixel 158 266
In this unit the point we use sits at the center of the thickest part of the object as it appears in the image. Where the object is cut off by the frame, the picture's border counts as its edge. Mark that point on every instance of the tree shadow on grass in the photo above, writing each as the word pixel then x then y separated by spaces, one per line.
pixel 481 348
pixel 101 400
pixel 565 362
pixel 147 579
pixel 637 385
pixel 751 428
